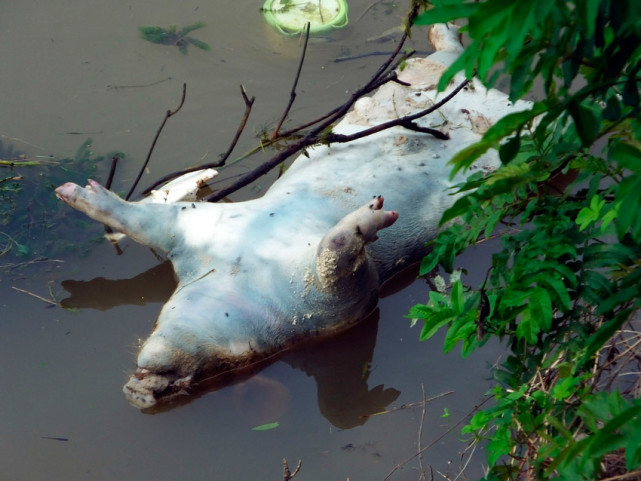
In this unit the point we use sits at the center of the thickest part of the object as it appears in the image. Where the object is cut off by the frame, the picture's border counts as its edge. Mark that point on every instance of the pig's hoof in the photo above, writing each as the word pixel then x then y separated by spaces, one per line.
pixel 145 389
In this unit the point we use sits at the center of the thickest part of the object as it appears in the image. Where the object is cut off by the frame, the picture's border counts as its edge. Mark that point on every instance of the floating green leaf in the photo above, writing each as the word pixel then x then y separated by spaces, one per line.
pixel 266 427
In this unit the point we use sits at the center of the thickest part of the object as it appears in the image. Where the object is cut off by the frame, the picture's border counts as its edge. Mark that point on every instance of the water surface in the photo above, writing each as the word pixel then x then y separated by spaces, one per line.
pixel 74 70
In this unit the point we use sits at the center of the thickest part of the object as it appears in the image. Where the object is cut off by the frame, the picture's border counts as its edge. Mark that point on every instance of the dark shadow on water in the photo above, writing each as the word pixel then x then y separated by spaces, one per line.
pixel 340 365
pixel 341 368
pixel 154 285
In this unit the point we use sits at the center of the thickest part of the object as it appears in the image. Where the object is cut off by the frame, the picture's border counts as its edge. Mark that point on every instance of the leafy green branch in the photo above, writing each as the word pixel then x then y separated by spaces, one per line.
pixel 566 278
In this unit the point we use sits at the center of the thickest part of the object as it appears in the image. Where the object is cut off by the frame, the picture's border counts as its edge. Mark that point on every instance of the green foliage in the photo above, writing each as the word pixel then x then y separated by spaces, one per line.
pixel 33 223
pixel 567 275
pixel 173 36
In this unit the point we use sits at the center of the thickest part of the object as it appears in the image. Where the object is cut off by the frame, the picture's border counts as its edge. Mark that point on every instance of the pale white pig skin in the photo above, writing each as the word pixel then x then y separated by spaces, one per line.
pixel 307 259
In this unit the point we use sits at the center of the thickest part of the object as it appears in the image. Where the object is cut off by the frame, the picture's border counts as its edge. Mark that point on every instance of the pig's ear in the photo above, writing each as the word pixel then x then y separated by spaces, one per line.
pixel 341 256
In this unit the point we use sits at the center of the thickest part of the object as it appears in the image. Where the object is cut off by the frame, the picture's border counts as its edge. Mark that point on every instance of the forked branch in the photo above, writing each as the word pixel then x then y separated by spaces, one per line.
pixel 168 115
pixel 287 474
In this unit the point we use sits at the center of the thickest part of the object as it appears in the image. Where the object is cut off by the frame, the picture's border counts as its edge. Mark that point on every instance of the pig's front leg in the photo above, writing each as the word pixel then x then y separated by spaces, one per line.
pixel 342 261
pixel 145 223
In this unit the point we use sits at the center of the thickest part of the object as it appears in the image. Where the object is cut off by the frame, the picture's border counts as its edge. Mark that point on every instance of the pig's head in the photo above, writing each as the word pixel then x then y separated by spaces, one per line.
pixel 201 331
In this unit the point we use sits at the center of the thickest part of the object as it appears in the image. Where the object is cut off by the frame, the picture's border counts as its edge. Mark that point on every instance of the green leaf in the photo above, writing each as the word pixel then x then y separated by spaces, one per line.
pixel 198 43
pixel 457 297
pixel 266 427
pixel 626 155
pixel 509 149
pixel 564 388
pixel 629 218
pixel 528 328
pixel 512 123
pixel 557 287
pixel 499 445
pixel 192 27
pixel 586 122
pixel 588 10
pixel 462 206
pixel 612 109
pixel 602 335
pixel 588 215
pixel 466 157
pixel 540 307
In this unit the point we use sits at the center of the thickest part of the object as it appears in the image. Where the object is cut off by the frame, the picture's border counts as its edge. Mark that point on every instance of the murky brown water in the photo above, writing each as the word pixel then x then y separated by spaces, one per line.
pixel 74 70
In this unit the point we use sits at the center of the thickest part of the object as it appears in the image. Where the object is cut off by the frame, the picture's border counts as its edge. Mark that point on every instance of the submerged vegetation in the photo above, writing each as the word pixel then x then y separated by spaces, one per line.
pixel 33 223
pixel 563 290
pixel 173 36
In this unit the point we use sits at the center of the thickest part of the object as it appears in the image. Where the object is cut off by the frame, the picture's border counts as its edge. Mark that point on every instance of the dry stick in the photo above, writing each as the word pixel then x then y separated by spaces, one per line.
pixel 631 476
pixel 112 171
pixel 420 435
pixel 287 475
pixel 110 179
pixel 371 5
pixel 153 144
pixel 223 158
pixel 48 301
pixel 241 126
pixel 449 430
pixel 419 403
pixel 292 93
pixel 314 136
pixel 26 263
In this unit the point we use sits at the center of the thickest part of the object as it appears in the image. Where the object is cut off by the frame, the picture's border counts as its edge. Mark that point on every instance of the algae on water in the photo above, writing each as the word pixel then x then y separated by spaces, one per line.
pixel 173 36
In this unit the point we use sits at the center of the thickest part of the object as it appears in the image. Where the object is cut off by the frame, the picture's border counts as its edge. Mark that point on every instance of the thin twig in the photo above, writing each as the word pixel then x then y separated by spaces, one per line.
pixel 292 93
pixel 632 475
pixel 370 6
pixel 420 435
pixel 223 158
pixel 153 144
pixel 248 107
pixel 48 301
pixel 26 263
pixel 438 439
pixel 112 171
pixel 376 53
pixel 118 87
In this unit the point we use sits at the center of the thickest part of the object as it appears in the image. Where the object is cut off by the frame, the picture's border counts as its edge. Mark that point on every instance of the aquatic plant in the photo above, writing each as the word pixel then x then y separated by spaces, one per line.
pixel 173 36
pixel 33 223
pixel 564 291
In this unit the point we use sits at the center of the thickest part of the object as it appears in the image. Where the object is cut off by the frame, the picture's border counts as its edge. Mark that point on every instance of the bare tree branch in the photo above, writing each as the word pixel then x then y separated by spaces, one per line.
pixel 223 157
pixel 248 107
pixel 292 93
pixel 287 475
pixel 153 144
pixel 316 135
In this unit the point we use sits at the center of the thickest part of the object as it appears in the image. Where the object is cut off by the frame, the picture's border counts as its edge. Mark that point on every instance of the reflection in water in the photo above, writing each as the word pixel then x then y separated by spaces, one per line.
pixel 261 400
pixel 154 285
pixel 340 366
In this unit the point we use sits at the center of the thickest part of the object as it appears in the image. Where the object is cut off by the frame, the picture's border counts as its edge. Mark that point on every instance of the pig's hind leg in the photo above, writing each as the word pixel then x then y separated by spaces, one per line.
pixel 145 223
